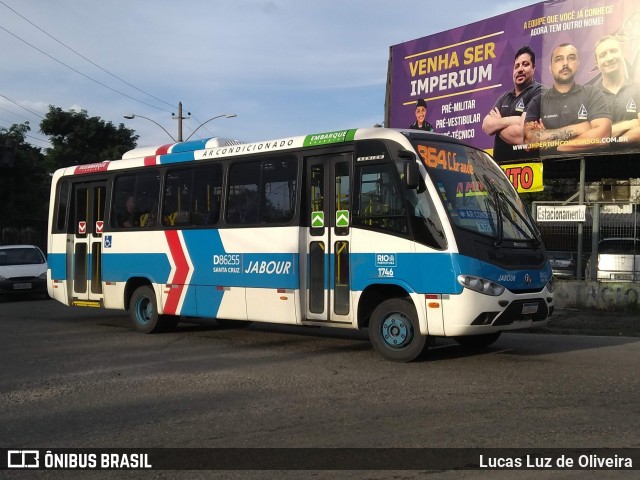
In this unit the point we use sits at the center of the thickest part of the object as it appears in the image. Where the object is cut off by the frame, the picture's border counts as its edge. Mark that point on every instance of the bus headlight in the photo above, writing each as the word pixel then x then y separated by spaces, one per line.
pixel 481 285
pixel 551 285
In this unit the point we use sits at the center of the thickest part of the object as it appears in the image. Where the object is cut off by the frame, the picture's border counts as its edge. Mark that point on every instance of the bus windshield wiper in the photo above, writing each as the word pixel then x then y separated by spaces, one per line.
pixel 532 235
pixel 495 196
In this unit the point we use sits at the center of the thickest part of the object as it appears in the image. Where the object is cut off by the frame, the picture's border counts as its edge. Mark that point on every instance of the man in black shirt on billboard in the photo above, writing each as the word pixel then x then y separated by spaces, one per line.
pixel 506 120
pixel 622 95
pixel 567 117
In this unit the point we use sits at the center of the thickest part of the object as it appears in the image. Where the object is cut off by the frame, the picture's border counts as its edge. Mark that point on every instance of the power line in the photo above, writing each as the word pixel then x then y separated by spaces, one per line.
pixel 80 73
pixel 43 140
pixel 14 113
pixel 83 57
pixel 25 108
pixel 10 122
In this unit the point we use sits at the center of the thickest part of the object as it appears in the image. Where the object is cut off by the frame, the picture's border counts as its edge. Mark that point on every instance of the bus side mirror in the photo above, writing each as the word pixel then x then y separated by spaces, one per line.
pixel 411 174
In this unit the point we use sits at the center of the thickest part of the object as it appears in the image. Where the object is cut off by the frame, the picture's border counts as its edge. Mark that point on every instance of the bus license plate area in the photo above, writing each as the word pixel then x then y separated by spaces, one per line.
pixel 529 308
pixel 21 286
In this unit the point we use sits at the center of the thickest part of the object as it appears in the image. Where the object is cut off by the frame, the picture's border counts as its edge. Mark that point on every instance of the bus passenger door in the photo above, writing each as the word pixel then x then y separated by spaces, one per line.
pixel 84 247
pixel 328 272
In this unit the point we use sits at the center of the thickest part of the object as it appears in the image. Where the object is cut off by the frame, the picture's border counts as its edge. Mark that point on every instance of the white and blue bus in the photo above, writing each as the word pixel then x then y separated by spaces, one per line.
pixel 409 234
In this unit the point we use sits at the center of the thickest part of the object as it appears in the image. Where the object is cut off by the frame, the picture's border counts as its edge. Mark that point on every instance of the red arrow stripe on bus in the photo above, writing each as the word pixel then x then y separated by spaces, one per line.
pixel 180 275
pixel 161 150
pixel 164 149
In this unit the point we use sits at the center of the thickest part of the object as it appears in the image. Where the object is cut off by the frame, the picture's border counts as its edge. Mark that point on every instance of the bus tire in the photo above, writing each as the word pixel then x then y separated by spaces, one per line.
pixel 477 341
pixel 143 310
pixel 394 331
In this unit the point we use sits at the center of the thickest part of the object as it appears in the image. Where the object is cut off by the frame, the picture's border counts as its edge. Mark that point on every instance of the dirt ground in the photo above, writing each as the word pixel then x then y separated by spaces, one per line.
pixel 592 322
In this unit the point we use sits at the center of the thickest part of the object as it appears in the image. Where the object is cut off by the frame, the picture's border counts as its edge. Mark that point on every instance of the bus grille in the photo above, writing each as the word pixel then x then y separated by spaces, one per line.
pixel 527 290
pixel 514 313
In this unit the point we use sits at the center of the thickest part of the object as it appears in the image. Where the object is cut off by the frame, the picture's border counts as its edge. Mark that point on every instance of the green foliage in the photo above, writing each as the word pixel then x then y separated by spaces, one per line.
pixel 79 139
pixel 25 172
pixel 24 179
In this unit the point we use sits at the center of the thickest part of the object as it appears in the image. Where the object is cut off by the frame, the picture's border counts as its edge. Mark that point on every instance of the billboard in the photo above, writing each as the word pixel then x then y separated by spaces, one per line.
pixel 554 79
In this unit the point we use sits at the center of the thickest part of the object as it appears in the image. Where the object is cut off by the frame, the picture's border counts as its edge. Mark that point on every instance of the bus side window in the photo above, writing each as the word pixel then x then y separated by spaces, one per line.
pixel 278 190
pixel 213 213
pixel 62 204
pixel 125 217
pixel 148 211
pixel 134 199
pixel 242 207
pixel 380 203
pixel 207 189
pixel 426 225
pixel 177 198
pixel 262 192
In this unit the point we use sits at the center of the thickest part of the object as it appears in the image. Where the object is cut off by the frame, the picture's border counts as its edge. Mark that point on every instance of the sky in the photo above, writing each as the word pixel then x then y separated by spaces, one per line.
pixel 284 67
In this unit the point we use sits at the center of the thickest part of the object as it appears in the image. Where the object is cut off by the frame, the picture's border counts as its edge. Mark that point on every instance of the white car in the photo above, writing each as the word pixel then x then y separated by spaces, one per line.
pixel 618 260
pixel 23 269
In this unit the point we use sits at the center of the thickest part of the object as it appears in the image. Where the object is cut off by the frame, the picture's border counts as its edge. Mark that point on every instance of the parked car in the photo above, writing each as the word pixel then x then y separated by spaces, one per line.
pixel 618 260
pixel 23 269
pixel 563 264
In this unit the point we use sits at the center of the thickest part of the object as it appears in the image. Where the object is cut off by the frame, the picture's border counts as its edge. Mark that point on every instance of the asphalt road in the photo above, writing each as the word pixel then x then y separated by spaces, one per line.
pixel 82 378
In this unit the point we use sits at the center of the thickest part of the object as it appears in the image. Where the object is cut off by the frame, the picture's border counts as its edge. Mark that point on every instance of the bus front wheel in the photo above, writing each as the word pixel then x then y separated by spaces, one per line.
pixel 143 310
pixel 394 331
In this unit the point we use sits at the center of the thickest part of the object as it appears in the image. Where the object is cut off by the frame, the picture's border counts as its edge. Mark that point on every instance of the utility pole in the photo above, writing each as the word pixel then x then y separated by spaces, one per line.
pixel 179 117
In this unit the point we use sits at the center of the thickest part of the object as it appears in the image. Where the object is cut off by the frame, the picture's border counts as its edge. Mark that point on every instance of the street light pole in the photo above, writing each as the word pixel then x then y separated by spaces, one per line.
pixel 130 116
pixel 226 115
pixel 179 117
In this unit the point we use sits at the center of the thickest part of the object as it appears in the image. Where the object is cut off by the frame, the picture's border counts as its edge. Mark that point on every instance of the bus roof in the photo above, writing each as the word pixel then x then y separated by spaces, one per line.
pixel 179 147
pixel 217 147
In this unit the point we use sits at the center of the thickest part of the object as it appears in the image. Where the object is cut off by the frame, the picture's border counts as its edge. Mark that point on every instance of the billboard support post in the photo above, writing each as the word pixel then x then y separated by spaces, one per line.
pixel 594 241
pixel 581 187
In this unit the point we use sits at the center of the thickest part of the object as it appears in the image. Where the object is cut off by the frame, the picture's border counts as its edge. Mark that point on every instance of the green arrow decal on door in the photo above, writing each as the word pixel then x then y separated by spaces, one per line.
pixel 342 218
pixel 317 219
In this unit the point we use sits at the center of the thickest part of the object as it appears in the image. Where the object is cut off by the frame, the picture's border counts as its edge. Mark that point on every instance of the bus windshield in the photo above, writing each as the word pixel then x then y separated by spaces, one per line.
pixel 476 193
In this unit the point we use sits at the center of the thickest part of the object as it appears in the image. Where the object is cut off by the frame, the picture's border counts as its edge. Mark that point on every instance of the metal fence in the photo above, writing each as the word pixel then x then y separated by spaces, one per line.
pixel 28 233
pixel 600 239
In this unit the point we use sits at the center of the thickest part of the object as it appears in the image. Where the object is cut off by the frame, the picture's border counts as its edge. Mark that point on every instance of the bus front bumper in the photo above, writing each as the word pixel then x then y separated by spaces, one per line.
pixel 488 314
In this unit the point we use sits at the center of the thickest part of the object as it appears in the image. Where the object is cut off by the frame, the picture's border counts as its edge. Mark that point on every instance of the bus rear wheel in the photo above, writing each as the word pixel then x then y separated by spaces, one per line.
pixel 143 310
pixel 394 331
pixel 478 341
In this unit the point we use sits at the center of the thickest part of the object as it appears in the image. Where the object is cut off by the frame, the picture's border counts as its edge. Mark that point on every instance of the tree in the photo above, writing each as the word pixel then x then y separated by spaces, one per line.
pixel 25 172
pixel 24 179
pixel 79 139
